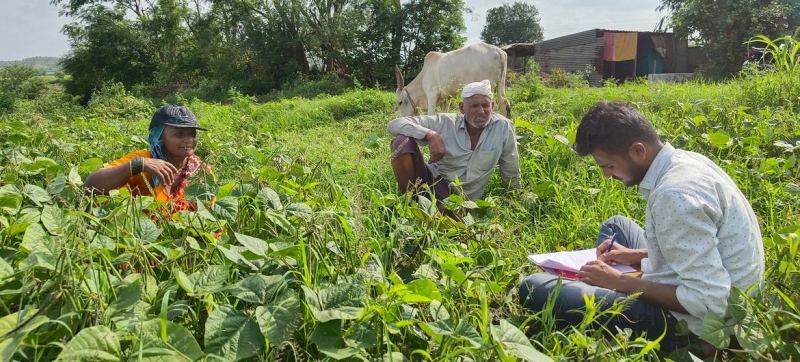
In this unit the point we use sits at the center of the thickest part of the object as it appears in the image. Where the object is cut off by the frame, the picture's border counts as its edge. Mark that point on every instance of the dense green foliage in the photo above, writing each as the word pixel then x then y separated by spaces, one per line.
pixel 166 46
pixel 515 23
pixel 318 258
pixel 722 27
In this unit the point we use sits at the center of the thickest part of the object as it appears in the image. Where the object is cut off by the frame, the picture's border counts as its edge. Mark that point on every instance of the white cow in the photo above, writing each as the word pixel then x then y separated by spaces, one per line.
pixel 443 74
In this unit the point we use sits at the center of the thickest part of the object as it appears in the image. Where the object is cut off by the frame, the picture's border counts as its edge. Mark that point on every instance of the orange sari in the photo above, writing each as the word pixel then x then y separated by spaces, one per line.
pixel 141 184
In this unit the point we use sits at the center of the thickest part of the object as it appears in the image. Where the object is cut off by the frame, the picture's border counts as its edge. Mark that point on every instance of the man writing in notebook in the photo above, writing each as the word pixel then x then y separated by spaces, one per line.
pixel 700 237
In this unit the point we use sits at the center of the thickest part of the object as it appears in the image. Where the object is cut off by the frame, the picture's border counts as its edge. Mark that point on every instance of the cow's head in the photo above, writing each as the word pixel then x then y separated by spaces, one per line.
pixel 405 103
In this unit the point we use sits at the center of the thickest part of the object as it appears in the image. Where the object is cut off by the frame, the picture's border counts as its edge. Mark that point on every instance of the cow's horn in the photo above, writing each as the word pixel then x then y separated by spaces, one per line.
pixel 399 77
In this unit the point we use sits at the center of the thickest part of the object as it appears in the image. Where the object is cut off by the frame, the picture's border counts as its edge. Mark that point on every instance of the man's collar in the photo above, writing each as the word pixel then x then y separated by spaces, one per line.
pixel 656 168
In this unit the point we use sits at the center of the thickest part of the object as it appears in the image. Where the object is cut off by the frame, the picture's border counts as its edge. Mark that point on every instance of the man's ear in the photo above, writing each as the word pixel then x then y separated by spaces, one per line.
pixel 637 151
pixel 461 107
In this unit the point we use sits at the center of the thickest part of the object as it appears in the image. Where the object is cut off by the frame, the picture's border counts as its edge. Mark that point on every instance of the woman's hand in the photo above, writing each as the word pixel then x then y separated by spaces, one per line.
pixel 165 171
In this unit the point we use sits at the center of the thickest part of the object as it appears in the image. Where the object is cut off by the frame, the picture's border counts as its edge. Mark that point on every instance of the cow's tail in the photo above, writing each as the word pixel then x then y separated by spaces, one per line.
pixel 504 103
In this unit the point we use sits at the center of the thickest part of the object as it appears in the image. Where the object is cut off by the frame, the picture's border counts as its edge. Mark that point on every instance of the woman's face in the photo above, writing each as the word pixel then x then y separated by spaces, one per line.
pixel 179 142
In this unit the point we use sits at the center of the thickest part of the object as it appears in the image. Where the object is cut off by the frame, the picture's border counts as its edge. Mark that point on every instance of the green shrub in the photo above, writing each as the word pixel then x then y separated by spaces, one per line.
pixel 7 101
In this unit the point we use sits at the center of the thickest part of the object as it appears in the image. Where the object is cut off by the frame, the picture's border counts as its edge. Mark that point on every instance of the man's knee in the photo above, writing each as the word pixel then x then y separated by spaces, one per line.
pixel 399 142
pixel 617 220
pixel 535 289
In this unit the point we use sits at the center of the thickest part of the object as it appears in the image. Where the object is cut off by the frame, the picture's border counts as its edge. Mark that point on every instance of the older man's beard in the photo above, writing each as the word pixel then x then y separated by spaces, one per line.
pixel 484 121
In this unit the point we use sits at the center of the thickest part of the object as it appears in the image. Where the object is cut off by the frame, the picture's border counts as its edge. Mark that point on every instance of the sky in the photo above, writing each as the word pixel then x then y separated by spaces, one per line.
pixel 31 28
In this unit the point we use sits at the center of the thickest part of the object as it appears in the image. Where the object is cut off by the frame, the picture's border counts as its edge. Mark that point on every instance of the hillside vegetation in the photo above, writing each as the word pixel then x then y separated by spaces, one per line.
pixel 47 65
pixel 319 258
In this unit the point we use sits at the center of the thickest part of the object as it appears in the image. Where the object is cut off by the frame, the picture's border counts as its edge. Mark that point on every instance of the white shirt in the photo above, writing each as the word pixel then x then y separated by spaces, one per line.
pixel 702 235
pixel 496 145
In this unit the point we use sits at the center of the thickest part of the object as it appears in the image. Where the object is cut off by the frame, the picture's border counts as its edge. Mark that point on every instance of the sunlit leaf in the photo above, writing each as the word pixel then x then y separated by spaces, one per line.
pixel 328 339
pixel 270 198
pixel 715 331
pixel 227 208
pixel 259 289
pixel 253 244
pixel 54 220
pixel 719 139
pixel 97 344
pixel 180 342
pixel 422 291
pixel 232 335
pixel 36 194
pixel 515 342
pixel 279 320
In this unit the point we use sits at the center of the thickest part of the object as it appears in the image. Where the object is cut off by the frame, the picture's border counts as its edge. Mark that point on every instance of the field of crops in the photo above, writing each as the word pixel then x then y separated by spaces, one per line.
pixel 320 259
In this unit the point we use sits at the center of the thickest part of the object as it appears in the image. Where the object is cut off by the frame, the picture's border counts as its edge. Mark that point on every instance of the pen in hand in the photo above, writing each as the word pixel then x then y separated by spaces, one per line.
pixel 611 245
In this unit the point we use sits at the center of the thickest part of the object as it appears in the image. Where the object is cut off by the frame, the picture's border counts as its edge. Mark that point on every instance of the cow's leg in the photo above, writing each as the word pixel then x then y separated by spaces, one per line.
pixel 432 100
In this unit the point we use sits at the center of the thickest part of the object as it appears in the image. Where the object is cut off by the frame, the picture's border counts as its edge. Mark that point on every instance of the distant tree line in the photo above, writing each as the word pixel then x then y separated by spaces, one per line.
pixel 166 46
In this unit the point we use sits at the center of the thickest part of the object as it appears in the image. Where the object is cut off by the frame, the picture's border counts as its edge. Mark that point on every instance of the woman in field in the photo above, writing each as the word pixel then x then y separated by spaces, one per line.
pixel 163 170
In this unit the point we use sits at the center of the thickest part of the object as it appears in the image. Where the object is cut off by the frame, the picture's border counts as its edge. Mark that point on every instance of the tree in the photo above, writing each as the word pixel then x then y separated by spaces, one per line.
pixel 509 24
pixel 723 27
pixel 430 25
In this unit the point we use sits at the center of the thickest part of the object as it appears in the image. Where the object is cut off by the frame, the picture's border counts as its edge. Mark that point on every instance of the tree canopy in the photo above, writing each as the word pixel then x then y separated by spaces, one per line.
pixel 723 27
pixel 254 45
pixel 515 23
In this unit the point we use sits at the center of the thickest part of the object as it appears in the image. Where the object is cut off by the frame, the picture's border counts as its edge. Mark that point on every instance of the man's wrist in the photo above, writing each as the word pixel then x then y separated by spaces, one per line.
pixel 430 134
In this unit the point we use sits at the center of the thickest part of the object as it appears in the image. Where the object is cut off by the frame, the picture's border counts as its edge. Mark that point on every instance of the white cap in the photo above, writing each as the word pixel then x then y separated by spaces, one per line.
pixel 483 87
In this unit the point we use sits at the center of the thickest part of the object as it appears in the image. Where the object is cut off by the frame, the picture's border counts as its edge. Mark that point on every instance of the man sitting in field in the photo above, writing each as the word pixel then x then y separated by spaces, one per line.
pixel 700 239
pixel 466 146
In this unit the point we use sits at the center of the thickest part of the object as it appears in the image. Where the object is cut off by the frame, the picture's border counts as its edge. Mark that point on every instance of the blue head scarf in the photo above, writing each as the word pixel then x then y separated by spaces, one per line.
pixel 155 148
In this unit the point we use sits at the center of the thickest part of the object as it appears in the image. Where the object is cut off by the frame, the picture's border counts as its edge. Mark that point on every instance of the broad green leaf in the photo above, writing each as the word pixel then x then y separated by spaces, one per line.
pixel 422 291
pixel 752 336
pixel 280 320
pixel 227 208
pixel 6 270
pixel 328 339
pixel 231 335
pixel 515 343
pixel 36 239
pixel 792 188
pixel 208 281
pixel 147 230
pixel 259 289
pixel 719 139
pixel 10 204
pixel 74 177
pixel 270 198
pixel 54 220
pixel 180 342
pixel 394 357
pixel 235 257
pixel 300 210
pixel 362 335
pixel 438 311
pixel 8 346
pixel 439 328
pixel 97 344
pixel 127 296
pixel 339 301
pixel 466 332
pixel 36 194
pixel 454 273
pixel 715 331
pixel 254 245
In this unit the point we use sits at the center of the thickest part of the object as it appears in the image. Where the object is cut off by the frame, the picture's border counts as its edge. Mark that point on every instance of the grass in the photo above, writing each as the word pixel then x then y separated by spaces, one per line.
pixel 311 262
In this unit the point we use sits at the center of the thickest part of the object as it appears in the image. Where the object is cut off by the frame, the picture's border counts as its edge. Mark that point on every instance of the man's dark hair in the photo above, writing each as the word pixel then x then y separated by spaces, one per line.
pixel 612 127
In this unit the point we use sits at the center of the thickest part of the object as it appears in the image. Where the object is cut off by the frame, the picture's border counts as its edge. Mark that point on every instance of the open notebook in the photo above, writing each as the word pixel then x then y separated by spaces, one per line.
pixel 568 263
